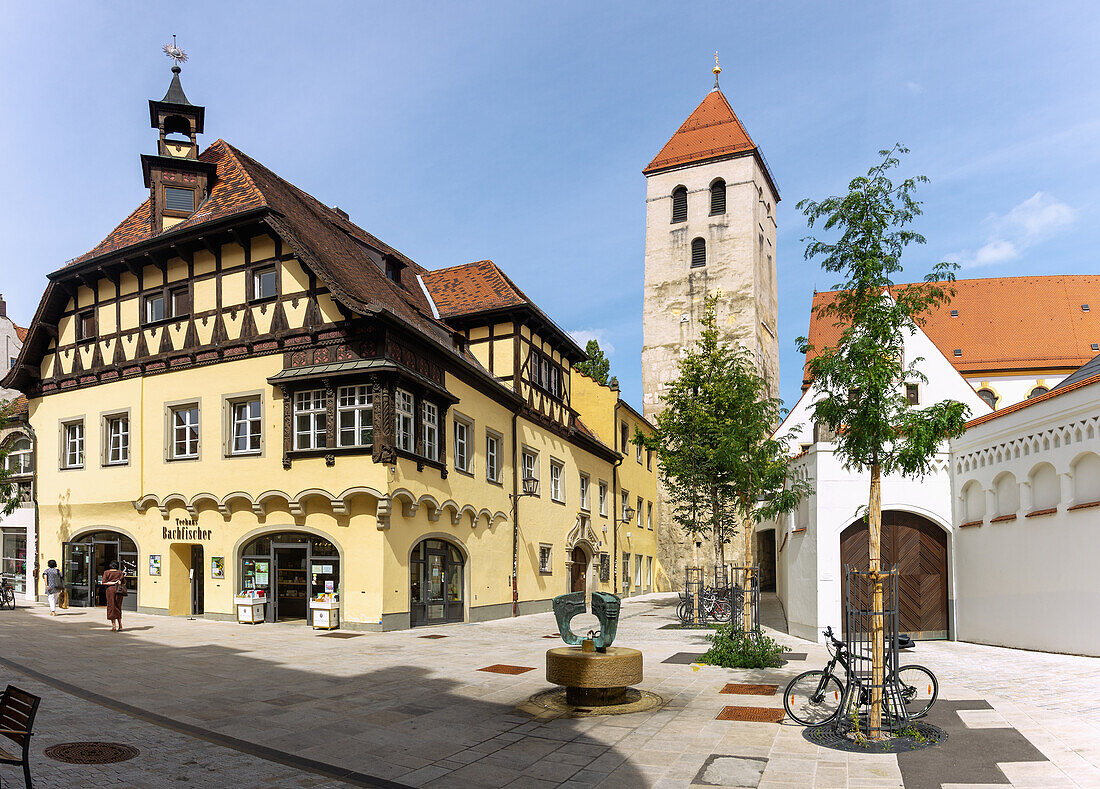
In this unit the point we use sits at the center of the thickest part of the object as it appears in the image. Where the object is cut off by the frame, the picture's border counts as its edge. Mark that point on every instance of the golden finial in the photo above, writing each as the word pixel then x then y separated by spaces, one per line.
pixel 717 70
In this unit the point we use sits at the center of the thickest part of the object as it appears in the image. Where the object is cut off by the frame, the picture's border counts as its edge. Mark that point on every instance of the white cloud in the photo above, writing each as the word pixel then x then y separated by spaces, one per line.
pixel 582 336
pixel 1035 219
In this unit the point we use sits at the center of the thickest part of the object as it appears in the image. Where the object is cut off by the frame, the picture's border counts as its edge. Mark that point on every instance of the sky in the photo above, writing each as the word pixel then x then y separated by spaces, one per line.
pixel 459 131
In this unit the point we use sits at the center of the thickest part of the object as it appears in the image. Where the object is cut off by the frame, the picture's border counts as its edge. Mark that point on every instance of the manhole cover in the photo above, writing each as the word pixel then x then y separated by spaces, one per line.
pixel 91 752
pixel 433 635
pixel 501 668
pixel 752 714
pixel 920 735
pixel 742 689
pixel 340 635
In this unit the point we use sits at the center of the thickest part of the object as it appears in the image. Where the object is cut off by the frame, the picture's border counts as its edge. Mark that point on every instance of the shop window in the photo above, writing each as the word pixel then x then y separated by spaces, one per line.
pixel 462 446
pixel 355 415
pixel 584 492
pixel 116 445
pixel 246 426
pixel 404 416
pixel 13 559
pixel 436 589
pixel 72 444
pixel 310 419
pixel 183 432
pixel 679 204
pixel 292 568
pixel 556 492
pixel 603 498
pixel 546 559
pixel 85 325
pixel 492 457
pixel 430 422
pixel 265 283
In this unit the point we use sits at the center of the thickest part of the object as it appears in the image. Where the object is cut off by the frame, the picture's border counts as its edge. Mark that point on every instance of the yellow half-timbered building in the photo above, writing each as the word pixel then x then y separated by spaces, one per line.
pixel 247 392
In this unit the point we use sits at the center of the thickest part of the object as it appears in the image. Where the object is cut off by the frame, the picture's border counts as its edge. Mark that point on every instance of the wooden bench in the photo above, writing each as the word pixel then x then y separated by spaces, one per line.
pixel 17 711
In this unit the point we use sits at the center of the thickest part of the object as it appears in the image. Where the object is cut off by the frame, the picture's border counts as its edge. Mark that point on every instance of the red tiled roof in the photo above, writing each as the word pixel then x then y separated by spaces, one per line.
pixel 16 408
pixel 21 333
pixel 471 288
pixel 711 131
pixel 1003 324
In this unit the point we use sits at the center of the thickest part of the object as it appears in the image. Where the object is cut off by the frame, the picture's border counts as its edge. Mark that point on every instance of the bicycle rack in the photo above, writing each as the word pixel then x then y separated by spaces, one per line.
pixel 859 616
pixel 693 587
pixel 739 579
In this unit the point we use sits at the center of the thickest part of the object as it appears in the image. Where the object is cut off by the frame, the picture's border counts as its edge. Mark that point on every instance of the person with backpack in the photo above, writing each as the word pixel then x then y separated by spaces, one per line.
pixel 54 585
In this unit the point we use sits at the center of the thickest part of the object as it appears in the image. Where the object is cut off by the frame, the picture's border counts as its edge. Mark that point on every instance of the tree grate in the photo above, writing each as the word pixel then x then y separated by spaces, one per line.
pixel 91 752
pixel 742 689
pixel 926 736
pixel 751 714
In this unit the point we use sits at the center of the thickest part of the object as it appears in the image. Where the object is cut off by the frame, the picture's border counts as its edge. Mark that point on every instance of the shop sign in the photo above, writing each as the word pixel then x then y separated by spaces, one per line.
pixel 182 532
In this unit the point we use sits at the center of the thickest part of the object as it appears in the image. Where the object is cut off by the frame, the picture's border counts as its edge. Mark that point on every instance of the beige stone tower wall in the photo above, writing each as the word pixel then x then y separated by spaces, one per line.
pixel 741 255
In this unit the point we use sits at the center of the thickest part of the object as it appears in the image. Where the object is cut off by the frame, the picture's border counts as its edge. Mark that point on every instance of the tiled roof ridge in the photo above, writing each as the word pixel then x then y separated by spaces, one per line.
pixel 234 154
pixel 1011 409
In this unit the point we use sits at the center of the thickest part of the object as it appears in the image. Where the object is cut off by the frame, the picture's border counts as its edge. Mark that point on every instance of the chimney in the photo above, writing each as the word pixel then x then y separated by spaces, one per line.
pixel 341 213
pixel 3 307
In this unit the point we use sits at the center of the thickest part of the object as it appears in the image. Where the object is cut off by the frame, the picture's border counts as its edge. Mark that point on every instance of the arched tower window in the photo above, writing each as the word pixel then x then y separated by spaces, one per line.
pixel 679 204
pixel 989 396
pixel 698 253
pixel 718 197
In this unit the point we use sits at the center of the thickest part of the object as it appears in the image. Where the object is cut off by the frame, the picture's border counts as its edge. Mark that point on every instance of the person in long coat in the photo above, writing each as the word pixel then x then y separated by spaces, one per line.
pixel 114 580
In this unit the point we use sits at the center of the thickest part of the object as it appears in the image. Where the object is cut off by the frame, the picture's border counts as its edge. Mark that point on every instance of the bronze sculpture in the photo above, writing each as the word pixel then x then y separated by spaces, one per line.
pixel 605 607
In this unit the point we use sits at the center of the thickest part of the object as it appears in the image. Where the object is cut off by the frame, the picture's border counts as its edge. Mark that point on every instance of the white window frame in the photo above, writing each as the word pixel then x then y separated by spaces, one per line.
pixel 462 430
pixel 638 515
pixel 649 573
pixel 121 421
pixel 529 468
pixel 257 276
pixel 626 570
pixel 546 567
pixel 638 570
pixel 72 443
pixel 312 406
pixel 404 409
pixel 178 429
pixel 493 445
pixel 649 515
pixel 557 489
pixel 356 402
pixel 638 453
pixel 429 420
pixel 250 422
pixel 603 498
pixel 20 462
pixel 585 486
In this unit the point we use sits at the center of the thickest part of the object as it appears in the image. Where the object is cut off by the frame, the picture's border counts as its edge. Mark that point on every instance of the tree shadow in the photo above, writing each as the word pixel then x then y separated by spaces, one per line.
pixel 330 707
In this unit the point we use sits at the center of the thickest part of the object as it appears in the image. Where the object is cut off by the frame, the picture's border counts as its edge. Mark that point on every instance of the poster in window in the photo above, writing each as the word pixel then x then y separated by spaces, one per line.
pixel 154 564
pixel 217 567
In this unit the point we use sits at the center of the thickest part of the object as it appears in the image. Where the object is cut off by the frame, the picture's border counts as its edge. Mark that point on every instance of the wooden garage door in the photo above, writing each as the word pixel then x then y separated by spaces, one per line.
pixel 919 548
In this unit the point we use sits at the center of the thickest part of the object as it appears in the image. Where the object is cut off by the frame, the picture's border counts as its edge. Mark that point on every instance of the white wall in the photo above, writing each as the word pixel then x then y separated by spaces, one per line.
pixel 1029 582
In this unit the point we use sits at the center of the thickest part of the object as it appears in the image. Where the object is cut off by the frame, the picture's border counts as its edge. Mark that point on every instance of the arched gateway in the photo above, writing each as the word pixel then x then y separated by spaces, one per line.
pixel 919 548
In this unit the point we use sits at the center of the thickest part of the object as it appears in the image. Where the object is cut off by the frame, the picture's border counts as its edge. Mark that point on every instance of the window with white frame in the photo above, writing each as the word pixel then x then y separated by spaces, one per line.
pixel 265 283
pixel 246 426
pixel 72 444
pixel 649 515
pixel 546 559
pixel 638 512
pixel 529 465
pixel 626 571
pixel 20 458
pixel 462 445
pixel 649 573
pixel 404 414
pixel 638 569
pixel 556 491
pixel 355 416
pixel 430 421
pixel 492 457
pixel 117 444
pixel 638 453
pixel 624 504
pixel 310 419
pixel 184 423
pixel 584 492
pixel 603 498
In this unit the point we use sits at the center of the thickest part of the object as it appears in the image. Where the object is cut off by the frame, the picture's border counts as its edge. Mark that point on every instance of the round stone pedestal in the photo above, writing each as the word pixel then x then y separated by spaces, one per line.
pixel 594 679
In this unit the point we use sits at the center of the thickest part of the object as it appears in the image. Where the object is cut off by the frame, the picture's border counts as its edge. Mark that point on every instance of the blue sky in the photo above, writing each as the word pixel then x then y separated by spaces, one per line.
pixel 459 131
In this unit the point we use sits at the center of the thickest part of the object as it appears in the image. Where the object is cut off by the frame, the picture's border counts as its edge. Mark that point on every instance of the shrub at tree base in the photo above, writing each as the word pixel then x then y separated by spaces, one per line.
pixel 732 647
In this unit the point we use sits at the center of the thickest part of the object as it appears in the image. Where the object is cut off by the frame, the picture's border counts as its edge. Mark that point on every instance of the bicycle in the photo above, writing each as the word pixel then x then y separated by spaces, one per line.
pixel 814 697
pixel 7 594
pixel 715 603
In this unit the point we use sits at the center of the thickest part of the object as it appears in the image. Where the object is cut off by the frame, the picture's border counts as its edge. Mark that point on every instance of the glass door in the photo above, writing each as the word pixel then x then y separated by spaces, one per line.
pixel 433 585
pixel 76 563
pixel 290 582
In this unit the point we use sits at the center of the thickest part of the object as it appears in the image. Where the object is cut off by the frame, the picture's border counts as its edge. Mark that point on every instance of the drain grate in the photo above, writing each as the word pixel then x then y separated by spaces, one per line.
pixel 742 689
pixel 91 752
pixel 501 668
pixel 751 714
pixel 433 635
pixel 340 635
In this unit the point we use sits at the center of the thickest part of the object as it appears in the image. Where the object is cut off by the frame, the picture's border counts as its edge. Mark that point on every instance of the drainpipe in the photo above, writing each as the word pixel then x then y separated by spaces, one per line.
pixel 34 500
pixel 615 505
pixel 515 518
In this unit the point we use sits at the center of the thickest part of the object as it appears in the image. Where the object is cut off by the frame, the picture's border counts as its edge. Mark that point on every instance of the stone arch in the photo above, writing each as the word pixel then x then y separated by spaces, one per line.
pixel 1045 489
pixel 1007 493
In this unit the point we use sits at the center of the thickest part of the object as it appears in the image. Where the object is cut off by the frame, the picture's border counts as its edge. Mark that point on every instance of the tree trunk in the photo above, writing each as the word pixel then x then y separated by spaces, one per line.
pixel 746 609
pixel 874 519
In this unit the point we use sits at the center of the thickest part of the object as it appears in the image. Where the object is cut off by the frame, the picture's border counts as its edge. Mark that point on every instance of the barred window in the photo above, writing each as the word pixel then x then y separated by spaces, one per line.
pixel 546 559
pixel 404 416
pixel 355 416
pixel 310 419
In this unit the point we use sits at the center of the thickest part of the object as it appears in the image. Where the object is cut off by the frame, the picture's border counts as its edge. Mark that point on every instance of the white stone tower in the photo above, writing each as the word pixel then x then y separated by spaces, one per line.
pixel 710 229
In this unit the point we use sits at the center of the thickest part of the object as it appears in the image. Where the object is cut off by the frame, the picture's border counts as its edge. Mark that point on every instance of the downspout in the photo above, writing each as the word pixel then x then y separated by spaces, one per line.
pixel 615 505
pixel 34 498
pixel 515 518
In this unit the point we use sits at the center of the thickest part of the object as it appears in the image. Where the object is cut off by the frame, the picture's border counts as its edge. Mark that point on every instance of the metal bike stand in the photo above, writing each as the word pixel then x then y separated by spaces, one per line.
pixel 693 586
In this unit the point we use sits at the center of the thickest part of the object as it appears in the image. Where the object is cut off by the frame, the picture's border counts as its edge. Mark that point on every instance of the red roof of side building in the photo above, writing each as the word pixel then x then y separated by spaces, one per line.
pixel 21 333
pixel 472 288
pixel 1004 324
pixel 711 131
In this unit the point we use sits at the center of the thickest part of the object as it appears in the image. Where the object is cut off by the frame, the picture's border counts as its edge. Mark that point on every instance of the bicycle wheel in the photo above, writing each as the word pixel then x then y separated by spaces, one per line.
pixel 813 698
pixel 722 610
pixel 919 689
pixel 682 612
pixel 7 597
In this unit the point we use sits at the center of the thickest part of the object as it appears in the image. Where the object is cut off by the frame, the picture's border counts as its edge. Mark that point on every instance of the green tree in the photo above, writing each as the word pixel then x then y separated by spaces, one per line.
pixel 859 382
pixel 596 366
pixel 721 466
pixel 9 491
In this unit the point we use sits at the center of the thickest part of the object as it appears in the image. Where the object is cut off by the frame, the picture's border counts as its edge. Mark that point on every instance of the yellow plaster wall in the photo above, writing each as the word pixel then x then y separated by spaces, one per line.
pixel 294 279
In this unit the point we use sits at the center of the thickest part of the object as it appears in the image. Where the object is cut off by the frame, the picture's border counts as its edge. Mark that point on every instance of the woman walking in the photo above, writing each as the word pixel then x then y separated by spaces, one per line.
pixel 54 585
pixel 115 582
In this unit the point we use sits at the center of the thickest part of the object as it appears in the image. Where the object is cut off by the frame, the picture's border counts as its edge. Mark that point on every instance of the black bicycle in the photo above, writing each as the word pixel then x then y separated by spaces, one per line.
pixel 7 593
pixel 814 697
pixel 716 605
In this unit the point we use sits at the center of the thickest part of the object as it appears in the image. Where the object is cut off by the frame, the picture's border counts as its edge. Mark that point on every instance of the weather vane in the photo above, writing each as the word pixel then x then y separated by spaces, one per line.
pixel 717 70
pixel 174 52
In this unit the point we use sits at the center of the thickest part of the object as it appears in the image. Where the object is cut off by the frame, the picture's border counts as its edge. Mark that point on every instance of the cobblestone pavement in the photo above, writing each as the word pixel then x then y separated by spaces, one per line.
pixel 417 712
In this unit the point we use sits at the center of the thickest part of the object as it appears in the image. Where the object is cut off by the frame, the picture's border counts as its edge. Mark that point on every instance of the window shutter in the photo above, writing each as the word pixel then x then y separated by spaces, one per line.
pixel 679 204
pixel 718 197
pixel 176 199
pixel 698 253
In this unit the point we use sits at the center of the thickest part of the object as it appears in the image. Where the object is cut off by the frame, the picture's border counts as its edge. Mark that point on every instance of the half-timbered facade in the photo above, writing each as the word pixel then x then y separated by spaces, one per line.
pixel 240 389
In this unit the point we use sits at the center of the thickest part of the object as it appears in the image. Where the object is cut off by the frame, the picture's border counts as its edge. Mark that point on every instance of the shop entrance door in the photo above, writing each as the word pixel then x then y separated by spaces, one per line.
pixel 76 566
pixel 290 582
pixel 436 584
pixel 197 596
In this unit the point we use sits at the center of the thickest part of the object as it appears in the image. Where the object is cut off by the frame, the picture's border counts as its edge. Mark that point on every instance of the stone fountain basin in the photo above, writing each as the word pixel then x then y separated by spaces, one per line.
pixel 594 678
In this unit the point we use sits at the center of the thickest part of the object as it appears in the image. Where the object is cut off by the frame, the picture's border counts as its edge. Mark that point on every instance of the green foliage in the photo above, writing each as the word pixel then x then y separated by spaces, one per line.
pixel 596 366
pixel 9 491
pixel 732 647
pixel 860 379
pixel 714 444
